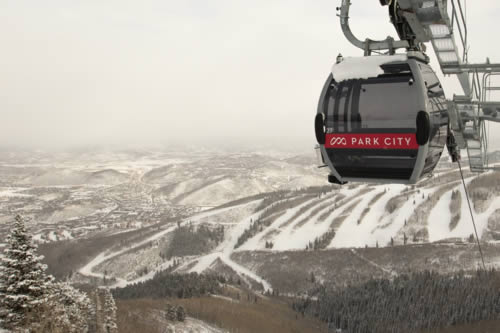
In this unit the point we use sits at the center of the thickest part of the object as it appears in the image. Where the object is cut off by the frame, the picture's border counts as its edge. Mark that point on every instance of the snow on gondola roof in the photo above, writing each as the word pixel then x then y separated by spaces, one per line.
pixel 363 67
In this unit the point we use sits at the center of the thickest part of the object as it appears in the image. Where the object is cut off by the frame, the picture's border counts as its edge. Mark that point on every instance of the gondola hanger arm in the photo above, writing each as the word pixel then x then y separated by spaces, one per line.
pixel 368 45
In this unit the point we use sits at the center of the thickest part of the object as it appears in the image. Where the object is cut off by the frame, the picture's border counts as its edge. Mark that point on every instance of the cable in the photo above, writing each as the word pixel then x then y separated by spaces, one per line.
pixel 471 214
pixel 465 1
pixel 489 99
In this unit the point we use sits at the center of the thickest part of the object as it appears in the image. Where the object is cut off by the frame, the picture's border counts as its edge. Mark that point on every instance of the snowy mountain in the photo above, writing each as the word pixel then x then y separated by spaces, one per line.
pixel 246 214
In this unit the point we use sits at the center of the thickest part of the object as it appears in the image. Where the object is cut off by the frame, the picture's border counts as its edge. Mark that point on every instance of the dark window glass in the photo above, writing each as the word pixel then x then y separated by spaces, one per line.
pixel 335 103
pixel 387 102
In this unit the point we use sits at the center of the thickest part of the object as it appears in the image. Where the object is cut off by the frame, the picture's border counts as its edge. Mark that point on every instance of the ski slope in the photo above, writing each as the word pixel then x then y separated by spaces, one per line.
pixel 353 216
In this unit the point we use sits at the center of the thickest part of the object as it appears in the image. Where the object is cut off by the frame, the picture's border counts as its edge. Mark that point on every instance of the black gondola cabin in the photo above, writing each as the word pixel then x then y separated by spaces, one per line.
pixel 381 119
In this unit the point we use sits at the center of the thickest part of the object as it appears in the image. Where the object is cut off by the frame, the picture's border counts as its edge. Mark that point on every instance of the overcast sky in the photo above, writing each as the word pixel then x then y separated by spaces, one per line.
pixel 97 71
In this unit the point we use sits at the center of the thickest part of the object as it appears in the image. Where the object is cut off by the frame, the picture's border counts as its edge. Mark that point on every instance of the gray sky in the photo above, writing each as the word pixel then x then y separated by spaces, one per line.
pixel 87 72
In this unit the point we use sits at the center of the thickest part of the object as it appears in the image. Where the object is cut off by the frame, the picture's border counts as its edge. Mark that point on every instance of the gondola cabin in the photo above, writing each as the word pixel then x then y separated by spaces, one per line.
pixel 381 119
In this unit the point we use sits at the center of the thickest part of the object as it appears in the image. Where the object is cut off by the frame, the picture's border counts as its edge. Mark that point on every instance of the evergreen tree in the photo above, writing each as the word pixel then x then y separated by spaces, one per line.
pixel 77 306
pixel 171 312
pixel 471 238
pixel 109 312
pixel 429 299
pixel 68 310
pixel 181 313
pixel 29 298
pixel 24 286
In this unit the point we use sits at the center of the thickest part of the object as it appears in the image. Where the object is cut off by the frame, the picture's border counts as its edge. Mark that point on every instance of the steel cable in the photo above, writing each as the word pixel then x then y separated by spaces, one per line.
pixel 471 214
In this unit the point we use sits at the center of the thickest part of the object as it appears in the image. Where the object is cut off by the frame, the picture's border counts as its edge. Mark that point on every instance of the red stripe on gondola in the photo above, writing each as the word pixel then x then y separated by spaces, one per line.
pixel 372 141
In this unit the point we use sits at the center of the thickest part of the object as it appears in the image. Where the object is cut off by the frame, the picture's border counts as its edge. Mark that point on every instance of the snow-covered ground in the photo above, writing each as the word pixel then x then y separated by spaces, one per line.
pixel 122 186
pixel 439 220
pixel 223 252
pixel 192 325
pixel 367 223
pixel 87 270
pixel 225 249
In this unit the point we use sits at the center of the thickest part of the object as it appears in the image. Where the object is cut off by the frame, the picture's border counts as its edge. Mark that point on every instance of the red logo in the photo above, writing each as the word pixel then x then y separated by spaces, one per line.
pixel 372 141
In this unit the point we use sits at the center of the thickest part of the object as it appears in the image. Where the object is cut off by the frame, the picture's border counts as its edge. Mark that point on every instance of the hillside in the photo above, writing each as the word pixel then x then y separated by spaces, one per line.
pixel 279 207
pixel 306 225
pixel 271 222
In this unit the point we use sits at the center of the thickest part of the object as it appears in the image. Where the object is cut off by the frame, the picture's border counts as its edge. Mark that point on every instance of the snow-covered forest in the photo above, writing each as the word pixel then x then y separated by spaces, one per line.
pixel 31 300
pixel 408 303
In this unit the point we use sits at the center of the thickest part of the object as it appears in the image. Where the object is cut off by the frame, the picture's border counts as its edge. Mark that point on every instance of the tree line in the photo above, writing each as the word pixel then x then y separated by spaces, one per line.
pixel 190 240
pixel 165 284
pixel 407 303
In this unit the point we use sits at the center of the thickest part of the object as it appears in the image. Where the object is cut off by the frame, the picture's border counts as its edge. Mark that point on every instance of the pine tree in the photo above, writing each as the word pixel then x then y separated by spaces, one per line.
pixel 76 304
pixel 29 298
pixel 471 238
pixel 171 312
pixel 109 312
pixel 24 286
pixel 67 310
pixel 181 313
pixel 168 306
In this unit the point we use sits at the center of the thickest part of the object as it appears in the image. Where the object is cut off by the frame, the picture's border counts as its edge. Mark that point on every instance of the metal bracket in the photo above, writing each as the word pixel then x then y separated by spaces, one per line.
pixel 368 45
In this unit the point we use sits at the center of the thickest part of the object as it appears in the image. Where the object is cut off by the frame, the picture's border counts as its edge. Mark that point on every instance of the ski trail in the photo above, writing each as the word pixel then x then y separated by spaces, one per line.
pixel 292 238
pixel 224 251
pixel 388 225
pixel 205 214
pixel 440 217
pixel 351 233
pixel 480 218
pixel 87 270
pixel 284 240
pixel 378 225
pixel 227 246
pixel 243 270
pixel 374 264
pixel 254 242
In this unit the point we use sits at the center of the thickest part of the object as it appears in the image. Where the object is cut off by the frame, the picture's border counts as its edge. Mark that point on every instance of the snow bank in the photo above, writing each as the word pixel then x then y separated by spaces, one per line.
pixel 363 67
